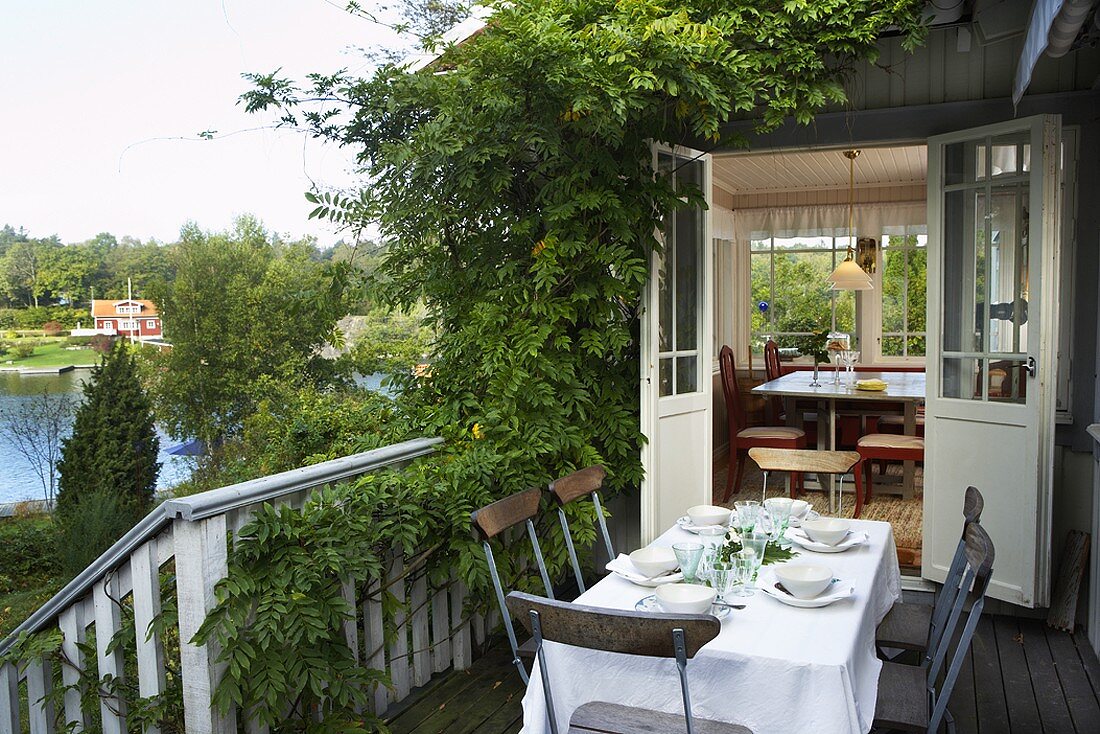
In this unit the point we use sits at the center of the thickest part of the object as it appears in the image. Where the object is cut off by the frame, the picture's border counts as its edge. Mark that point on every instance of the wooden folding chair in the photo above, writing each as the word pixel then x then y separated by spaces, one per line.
pixel 918 627
pixel 909 698
pixel 586 482
pixel 489 522
pixel 655 635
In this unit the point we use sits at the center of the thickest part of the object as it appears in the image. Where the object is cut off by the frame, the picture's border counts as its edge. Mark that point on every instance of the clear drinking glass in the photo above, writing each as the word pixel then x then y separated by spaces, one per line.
pixel 723 578
pixel 747 513
pixel 758 542
pixel 688 556
pixel 712 539
pixel 779 509
pixel 744 567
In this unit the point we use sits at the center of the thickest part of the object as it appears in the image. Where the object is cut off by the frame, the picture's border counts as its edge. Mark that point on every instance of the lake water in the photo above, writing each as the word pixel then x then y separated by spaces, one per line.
pixel 18 481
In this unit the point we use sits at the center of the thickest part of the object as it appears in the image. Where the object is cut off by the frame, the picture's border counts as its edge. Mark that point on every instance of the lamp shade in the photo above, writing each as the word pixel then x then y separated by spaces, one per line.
pixel 849 276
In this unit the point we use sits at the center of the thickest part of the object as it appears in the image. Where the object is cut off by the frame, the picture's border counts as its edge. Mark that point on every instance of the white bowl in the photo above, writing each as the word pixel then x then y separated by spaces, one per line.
pixel 654 561
pixel 827 530
pixel 804 580
pixel 685 598
pixel 709 515
pixel 799 508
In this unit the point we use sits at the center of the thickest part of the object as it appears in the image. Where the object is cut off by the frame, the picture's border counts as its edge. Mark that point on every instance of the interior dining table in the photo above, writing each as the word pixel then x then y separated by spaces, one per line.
pixel 904 388
pixel 773 668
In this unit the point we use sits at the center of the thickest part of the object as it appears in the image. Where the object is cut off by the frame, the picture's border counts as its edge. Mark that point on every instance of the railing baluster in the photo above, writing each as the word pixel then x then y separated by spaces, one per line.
pixel 460 630
pixel 422 656
pixel 108 621
pixel 73 632
pixel 441 631
pixel 351 624
pixel 145 573
pixel 374 640
pixel 399 645
pixel 201 561
pixel 9 698
pixel 39 684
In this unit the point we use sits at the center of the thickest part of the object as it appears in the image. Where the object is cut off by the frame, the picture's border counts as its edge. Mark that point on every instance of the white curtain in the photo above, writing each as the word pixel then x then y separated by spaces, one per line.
pixel 722 225
pixel 871 220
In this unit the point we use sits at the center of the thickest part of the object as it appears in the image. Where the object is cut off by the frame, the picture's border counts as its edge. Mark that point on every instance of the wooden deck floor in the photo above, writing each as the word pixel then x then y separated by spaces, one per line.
pixel 1020 677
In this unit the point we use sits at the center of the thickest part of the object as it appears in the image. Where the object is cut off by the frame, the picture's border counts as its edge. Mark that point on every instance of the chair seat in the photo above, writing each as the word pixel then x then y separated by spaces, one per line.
pixel 612 718
pixel 905 626
pixel 891 441
pixel 897 420
pixel 771 432
pixel 902 698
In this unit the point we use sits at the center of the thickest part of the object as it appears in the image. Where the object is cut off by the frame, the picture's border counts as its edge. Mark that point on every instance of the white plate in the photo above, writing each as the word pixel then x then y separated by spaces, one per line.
pixel 796 522
pixel 672 578
pixel 685 523
pixel 854 538
pixel 835 592
pixel 651 605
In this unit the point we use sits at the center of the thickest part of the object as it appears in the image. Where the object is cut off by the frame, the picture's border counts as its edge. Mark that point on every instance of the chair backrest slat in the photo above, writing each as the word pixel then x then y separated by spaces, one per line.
pixel 979 552
pixel 973 504
pixel 578 484
pixel 493 519
pixel 734 411
pixel 614 630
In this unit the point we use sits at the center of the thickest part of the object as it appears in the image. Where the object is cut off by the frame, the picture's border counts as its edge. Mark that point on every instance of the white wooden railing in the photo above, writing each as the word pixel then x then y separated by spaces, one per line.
pixel 433 633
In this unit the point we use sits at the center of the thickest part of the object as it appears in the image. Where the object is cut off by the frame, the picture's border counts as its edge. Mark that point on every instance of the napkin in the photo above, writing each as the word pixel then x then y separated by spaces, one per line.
pixel 872 384
pixel 625 568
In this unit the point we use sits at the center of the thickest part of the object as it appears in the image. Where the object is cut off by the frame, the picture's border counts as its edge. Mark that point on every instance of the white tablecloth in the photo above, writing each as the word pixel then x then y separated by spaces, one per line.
pixel 774 668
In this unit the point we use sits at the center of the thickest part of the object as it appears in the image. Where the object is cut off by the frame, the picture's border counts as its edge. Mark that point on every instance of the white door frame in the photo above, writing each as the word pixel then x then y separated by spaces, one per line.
pixel 655 408
pixel 1028 577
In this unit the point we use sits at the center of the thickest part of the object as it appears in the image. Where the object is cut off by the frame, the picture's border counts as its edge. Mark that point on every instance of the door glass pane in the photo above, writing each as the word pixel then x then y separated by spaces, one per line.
pixel 961 378
pixel 688 265
pixel 1007 381
pixel 664 297
pixel 1008 270
pixel 665 376
pixel 687 372
pixel 963 263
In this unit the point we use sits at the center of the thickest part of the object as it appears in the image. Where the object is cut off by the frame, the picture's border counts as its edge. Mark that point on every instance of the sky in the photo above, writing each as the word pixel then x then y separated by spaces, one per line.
pixel 96 96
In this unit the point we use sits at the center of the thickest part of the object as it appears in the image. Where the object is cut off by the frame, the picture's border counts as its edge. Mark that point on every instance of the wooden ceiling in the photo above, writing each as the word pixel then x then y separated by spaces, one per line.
pixel 755 173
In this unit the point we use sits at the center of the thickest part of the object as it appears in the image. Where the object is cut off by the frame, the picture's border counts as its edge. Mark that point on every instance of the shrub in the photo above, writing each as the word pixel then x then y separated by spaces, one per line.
pixel 79 341
pixel 52 328
pixel 24 349
pixel 101 343
pixel 28 551
pixel 95 521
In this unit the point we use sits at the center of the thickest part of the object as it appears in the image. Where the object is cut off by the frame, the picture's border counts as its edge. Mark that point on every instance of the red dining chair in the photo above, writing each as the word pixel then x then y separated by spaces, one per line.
pixel 882 446
pixel 773 370
pixel 743 437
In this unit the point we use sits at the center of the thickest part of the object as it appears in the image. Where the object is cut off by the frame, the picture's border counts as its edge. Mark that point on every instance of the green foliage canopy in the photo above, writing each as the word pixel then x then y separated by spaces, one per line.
pixel 519 205
pixel 242 307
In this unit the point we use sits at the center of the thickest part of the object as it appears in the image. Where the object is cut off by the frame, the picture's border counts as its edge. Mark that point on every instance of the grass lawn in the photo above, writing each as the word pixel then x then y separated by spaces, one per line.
pixel 52 354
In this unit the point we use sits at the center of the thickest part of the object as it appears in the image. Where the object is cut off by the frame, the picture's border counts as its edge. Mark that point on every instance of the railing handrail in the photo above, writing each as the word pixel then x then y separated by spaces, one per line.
pixel 211 503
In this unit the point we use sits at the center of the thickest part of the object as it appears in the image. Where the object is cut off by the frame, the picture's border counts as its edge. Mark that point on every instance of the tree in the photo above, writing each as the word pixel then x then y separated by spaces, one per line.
pixel 110 460
pixel 22 270
pixel 35 428
pixel 242 307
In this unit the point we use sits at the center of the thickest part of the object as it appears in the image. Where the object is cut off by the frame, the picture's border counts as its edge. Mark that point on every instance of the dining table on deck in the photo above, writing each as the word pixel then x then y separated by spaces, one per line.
pixel 906 388
pixel 773 668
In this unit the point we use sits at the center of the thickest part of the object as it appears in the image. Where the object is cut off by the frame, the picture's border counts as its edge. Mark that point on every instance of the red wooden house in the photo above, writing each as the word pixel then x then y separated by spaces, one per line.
pixel 130 317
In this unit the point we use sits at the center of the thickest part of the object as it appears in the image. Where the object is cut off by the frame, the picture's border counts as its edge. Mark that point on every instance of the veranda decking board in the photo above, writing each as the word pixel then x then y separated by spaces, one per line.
pixel 1020 678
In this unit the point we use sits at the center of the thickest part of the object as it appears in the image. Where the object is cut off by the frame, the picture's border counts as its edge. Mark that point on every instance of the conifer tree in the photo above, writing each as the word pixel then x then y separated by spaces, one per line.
pixel 109 464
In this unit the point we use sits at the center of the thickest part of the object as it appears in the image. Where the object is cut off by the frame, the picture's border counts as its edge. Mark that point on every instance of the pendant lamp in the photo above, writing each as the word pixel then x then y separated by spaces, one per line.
pixel 849 276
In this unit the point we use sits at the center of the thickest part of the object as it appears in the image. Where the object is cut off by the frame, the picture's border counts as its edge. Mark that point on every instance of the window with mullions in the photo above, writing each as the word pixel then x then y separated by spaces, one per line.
pixel 789 275
pixel 904 303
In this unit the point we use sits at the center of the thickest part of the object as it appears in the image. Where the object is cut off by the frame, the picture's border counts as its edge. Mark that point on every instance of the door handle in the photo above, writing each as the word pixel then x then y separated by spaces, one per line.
pixel 1030 366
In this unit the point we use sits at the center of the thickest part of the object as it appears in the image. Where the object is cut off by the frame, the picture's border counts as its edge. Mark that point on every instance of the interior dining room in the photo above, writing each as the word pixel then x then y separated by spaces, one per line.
pixel 785 224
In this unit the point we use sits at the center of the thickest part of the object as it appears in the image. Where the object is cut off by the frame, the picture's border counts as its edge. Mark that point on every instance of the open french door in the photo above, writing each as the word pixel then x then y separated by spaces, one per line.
pixel 993 229
pixel 676 353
